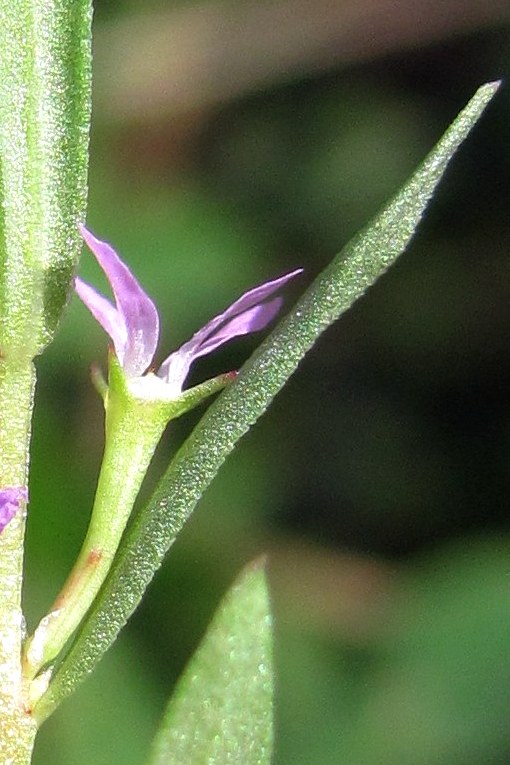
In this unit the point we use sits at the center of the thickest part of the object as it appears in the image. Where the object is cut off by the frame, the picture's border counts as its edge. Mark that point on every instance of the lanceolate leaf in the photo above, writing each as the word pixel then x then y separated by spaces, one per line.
pixel 44 119
pixel 221 710
pixel 364 259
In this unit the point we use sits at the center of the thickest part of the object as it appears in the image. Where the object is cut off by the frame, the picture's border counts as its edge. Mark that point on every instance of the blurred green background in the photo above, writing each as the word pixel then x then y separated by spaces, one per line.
pixel 232 141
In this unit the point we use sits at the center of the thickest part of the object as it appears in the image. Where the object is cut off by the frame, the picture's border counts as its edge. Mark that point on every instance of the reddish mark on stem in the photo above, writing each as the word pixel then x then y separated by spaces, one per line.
pixel 94 557
pixel 91 561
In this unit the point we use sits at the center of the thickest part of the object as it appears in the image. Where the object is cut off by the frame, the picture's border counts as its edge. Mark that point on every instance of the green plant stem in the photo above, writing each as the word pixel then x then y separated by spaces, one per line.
pixel 131 439
pixel 44 118
pixel 134 425
pixel 18 728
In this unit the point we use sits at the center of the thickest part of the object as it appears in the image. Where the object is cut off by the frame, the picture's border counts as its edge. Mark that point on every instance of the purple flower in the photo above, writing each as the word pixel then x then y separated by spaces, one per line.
pixel 10 499
pixel 133 322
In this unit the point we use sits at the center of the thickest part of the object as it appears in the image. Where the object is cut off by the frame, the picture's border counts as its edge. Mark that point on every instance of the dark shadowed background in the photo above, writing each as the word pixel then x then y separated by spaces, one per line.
pixel 231 141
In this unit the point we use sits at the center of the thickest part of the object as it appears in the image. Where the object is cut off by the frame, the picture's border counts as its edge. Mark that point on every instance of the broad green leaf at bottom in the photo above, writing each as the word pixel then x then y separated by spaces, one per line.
pixel 221 710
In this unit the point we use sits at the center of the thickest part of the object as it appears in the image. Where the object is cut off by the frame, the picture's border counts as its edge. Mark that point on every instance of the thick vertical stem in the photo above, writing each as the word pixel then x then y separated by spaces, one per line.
pixel 17 727
pixel 44 117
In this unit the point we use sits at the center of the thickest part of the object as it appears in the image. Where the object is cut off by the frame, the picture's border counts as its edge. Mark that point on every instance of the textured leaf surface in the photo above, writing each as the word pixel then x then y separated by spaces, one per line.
pixel 44 118
pixel 44 127
pixel 221 710
pixel 154 529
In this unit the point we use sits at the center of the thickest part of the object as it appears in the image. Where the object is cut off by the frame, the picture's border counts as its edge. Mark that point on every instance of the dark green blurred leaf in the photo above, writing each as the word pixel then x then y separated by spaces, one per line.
pixel 441 696
pixel 429 687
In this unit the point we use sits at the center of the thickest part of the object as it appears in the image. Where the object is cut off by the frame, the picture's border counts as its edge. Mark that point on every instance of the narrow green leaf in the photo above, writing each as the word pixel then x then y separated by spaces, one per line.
pixel 221 710
pixel 45 79
pixel 152 532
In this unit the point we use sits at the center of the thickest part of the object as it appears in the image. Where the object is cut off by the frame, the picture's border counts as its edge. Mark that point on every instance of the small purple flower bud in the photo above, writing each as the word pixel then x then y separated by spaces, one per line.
pixel 10 499
pixel 133 322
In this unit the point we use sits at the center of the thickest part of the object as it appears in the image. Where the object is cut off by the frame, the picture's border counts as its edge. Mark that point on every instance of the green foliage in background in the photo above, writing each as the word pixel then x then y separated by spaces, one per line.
pixel 388 472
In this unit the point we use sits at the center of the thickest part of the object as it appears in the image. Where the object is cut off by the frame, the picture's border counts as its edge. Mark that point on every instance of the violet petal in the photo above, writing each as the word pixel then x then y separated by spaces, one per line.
pixel 105 314
pixel 249 299
pixel 252 320
pixel 10 500
pixel 249 313
pixel 135 329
